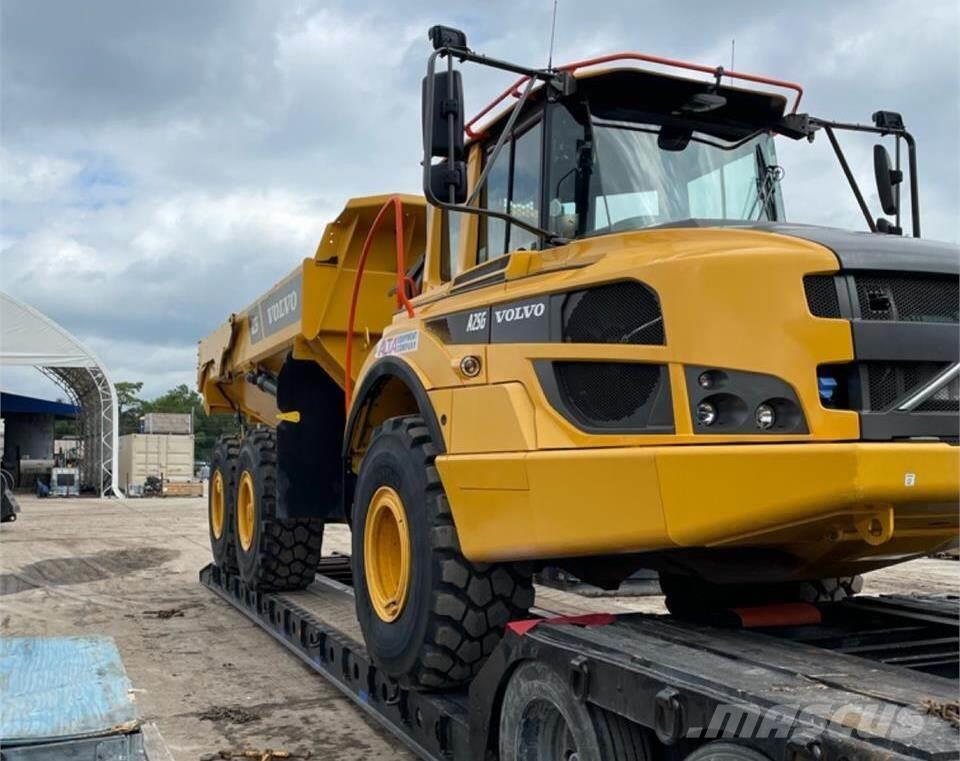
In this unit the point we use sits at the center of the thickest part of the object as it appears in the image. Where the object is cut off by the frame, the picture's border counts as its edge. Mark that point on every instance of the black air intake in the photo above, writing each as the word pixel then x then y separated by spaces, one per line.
pixel 821 293
pixel 889 382
pixel 617 313
pixel 908 298
pixel 609 397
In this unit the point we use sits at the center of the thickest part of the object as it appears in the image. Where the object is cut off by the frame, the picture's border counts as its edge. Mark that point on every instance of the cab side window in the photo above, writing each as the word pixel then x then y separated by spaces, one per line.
pixel 513 186
pixel 493 231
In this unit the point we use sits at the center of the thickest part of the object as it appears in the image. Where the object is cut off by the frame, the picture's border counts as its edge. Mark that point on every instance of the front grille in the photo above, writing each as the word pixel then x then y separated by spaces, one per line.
pixel 604 394
pixel 821 293
pixel 889 382
pixel 947 399
pixel 908 298
pixel 624 313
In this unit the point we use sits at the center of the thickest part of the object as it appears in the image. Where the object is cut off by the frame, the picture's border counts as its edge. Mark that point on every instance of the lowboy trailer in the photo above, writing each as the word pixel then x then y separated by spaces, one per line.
pixel 864 678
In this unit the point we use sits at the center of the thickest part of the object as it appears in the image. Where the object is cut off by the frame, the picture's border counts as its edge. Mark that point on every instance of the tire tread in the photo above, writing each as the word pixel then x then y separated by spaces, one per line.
pixel 289 550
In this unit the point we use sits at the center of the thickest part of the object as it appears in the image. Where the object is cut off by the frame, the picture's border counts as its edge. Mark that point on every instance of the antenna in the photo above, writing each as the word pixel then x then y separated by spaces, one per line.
pixel 733 55
pixel 553 32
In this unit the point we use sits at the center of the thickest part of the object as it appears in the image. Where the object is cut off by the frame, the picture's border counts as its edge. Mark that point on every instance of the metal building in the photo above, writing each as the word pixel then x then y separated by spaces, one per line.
pixel 29 338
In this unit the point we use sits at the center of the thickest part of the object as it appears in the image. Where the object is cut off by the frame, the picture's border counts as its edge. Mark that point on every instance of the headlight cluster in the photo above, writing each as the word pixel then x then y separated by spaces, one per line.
pixel 732 401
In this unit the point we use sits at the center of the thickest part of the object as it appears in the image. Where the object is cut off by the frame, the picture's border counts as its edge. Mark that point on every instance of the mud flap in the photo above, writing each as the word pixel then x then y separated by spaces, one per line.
pixel 308 450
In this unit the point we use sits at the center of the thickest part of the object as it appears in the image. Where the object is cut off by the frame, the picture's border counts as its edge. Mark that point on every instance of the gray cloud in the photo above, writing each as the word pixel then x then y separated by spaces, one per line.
pixel 164 163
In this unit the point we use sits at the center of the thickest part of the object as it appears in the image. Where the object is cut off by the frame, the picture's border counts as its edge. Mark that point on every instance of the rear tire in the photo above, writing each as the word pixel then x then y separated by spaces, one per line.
pixel 691 597
pixel 441 615
pixel 221 492
pixel 541 720
pixel 272 554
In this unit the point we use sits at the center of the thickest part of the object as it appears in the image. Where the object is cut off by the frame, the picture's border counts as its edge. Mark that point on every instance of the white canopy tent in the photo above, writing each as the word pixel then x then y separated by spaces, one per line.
pixel 32 339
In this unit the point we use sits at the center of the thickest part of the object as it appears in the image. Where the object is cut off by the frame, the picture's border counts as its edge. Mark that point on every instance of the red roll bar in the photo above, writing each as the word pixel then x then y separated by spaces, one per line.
pixel 514 89
pixel 403 281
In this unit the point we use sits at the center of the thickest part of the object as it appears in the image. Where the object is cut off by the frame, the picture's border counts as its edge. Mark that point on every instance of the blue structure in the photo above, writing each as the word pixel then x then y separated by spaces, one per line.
pixel 29 432
pixel 28 405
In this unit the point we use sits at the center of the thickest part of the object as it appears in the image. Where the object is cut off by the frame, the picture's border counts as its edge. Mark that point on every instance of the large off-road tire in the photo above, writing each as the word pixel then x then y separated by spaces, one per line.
pixel 694 598
pixel 272 554
pixel 542 720
pixel 429 616
pixel 221 492
pixel 829 590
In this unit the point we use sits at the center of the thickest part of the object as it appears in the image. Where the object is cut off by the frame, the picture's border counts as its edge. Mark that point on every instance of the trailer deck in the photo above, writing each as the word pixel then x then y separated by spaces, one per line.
pixel 876 679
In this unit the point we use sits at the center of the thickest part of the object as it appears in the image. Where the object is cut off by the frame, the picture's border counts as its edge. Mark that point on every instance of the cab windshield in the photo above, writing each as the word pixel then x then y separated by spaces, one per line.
pixel 614 177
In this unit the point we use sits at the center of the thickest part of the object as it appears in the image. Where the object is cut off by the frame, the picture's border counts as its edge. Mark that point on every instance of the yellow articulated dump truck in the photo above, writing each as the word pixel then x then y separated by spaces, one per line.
pixel 596 343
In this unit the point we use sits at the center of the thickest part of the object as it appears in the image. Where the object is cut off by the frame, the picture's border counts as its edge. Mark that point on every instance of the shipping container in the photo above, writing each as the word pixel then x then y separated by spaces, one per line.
pixel 166 422
pixel 166 456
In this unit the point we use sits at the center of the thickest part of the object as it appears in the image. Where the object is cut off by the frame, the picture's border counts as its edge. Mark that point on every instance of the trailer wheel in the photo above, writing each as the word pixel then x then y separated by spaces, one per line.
pixel 726 751
pixel 272 554
pixel 428 615
pixel 542 720
pixel 220 495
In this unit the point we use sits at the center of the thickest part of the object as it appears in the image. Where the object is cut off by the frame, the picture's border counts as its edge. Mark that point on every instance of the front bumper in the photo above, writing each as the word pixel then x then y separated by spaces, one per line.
pixel 868 503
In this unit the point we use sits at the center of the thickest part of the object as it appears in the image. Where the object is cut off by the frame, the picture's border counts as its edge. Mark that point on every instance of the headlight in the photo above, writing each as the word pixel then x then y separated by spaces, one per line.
pixel 706 413
pixel 765 417
pixel 726 401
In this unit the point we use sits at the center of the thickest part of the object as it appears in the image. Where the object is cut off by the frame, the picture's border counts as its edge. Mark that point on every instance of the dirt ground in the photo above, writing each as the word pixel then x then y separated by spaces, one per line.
pixel 208 678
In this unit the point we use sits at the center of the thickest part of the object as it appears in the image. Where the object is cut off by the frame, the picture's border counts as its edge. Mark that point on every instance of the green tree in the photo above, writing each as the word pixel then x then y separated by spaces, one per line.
pixel 130 406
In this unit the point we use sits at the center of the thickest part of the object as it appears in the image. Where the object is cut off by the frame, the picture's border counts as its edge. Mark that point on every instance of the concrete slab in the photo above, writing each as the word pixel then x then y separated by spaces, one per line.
pixel 208 678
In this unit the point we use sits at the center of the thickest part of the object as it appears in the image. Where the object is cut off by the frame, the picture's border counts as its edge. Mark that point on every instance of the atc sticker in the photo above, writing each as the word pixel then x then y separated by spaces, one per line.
pixel 401 343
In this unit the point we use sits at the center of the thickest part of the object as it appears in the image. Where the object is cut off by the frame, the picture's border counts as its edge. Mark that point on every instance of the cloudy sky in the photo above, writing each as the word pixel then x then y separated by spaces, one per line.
pixel 161 164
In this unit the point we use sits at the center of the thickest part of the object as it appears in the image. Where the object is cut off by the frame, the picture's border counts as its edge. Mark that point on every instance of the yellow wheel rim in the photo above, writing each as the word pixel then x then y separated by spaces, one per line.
pixel 246 511
pixel 386 554
pixel 217 504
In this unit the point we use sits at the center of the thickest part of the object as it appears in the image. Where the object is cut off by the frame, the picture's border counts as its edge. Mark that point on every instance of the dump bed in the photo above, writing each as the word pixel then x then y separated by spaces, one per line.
pixel 306 312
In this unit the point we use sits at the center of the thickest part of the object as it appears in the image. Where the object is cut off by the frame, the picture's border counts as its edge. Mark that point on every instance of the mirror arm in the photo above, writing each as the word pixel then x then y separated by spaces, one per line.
pixel 914 190
pixel 817 123
pixel 428 152
pixel 828 128
pixel 451 130
pixel 896 188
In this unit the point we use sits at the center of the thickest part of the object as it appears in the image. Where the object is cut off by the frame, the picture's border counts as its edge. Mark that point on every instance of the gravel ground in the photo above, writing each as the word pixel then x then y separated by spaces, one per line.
pixel 209 679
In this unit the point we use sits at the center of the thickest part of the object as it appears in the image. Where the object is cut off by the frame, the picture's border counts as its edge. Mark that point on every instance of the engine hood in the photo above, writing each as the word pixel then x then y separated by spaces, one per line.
pixel 858 250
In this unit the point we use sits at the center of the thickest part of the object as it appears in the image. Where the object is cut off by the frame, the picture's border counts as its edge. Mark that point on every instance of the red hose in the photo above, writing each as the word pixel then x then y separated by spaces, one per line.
pixel 402 282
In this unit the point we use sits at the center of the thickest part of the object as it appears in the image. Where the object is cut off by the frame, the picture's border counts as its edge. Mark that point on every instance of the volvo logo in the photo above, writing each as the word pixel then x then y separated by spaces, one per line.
pixel 515 314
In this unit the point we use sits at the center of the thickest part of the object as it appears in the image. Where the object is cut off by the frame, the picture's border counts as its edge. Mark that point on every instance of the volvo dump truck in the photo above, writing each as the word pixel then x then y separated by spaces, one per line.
pixel 595 342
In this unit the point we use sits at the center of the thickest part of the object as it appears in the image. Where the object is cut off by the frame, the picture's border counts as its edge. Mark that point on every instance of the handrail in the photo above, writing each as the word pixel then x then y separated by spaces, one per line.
pixel 403 281
pixel 629 56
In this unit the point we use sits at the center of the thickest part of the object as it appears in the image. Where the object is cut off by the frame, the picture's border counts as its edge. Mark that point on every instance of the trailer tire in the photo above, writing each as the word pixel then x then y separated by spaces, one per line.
pixel 272 554
pixel 726 751
pixel 428 615
pixel 540 718
pixel 221 492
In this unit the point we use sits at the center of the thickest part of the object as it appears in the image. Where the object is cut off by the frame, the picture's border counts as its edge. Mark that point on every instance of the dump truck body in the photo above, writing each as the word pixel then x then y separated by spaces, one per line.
pixel 521 463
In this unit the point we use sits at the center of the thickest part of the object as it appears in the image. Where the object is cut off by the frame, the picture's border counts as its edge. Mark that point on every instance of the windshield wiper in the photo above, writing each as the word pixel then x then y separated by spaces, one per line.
pixel 767 181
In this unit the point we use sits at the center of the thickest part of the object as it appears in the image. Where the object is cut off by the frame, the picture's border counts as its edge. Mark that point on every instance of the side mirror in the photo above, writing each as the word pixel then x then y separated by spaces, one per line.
pixel 443 111
pixel 887 179
pixel 444 177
